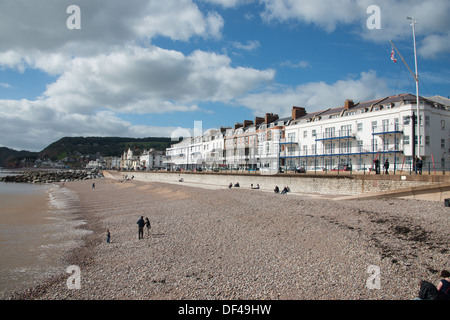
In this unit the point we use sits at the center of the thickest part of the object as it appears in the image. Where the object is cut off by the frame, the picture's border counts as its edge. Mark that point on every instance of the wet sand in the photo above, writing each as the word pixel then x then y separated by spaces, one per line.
pixel 248 244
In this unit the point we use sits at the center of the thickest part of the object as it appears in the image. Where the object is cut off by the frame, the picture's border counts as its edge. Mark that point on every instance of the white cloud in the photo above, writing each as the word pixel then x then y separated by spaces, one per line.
pixel 151 80
pixel 91 91
pixel 296 65
pixel 432 16
pixel 35 31
pixel 251 45
pixel 315 96
pixel 229 3
pixel 31 125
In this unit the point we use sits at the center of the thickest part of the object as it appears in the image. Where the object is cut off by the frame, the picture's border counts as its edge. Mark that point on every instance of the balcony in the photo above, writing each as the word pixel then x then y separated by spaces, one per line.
pixel 340 134
pixel 387 129
pixel 288 141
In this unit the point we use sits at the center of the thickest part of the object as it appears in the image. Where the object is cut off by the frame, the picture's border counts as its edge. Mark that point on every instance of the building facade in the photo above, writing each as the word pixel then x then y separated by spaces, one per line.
pixel 350 136
pixel 146 160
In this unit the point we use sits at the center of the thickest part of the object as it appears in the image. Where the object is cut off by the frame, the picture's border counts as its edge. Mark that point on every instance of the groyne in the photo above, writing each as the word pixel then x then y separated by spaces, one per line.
pixel 51 176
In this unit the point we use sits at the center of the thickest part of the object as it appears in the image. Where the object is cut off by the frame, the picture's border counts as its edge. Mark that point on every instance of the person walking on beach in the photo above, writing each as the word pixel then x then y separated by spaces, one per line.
pixel 148 225
pixel 108 236
pixel 141 225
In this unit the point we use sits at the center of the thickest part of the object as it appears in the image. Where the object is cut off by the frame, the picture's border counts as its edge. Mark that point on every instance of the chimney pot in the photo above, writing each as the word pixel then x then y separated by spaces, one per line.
pixel 349 104
pixel 298 112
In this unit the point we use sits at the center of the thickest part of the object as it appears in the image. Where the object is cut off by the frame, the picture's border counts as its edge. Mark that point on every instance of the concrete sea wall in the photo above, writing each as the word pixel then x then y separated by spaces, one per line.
pixel 335 184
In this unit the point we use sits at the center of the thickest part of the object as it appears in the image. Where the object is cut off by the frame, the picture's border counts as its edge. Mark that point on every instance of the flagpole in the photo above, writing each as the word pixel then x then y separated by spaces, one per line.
pixel 413 23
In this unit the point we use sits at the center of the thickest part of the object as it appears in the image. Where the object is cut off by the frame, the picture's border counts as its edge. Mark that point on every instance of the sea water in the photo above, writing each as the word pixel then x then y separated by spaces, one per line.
pixel 38 225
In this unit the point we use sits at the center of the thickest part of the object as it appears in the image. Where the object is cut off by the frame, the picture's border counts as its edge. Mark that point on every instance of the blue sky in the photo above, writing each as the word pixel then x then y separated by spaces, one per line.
pixel 150 68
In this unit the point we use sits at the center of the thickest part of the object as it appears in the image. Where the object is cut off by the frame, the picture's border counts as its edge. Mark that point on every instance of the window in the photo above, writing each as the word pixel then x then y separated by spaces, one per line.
pixel 406 120
pixel 305 149
pixel 385 125
pixel 386 145
pixel 374 145
pixel 314 133
pixel 360 127
pixel 427 140
pixel 443 143
pixel 374 126
pixel 417 141
pixel 396 124
pixel 442 124
pixel 305 134
pixel 329 132
pixel 291 137
pixel 346 130
pixel 427 121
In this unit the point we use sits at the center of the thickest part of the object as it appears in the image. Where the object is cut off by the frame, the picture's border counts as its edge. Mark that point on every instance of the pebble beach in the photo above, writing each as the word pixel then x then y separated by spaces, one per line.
pixel 239 243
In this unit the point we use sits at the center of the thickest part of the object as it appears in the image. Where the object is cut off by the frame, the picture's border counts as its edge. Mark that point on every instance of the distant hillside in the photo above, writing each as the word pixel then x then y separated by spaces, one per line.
pixel 74 147
pixel 100 146
pixel 12 158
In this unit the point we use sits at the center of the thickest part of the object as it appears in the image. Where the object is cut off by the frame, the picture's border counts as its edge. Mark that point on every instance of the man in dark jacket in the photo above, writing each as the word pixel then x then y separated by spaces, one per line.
pixel 141 225
pixel 427 291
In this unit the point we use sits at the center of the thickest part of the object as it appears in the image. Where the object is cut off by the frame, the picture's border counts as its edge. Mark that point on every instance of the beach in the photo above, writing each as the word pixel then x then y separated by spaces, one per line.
pixel 239 243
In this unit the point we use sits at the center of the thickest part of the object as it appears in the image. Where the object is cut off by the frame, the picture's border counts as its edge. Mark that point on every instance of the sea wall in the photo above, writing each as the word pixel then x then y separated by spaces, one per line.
pixel 339 184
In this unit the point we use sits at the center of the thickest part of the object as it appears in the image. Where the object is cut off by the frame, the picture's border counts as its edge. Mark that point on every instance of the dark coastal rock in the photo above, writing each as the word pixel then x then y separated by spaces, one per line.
pixel 52 176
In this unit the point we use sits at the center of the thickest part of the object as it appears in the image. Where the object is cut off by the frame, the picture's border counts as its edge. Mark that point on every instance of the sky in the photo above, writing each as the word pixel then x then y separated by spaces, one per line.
pixel 152 68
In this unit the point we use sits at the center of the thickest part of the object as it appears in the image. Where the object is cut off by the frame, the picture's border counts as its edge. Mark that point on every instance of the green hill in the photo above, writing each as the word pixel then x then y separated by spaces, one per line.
pixel 13 158
pixel 76 147
pixel 100 146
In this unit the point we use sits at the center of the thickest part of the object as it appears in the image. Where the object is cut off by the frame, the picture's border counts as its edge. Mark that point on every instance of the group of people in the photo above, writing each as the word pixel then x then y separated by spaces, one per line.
pixel 418 164
pixel 428 291
pixel 142 223
pixel 284 191
pixel 376 164
pixel 236 185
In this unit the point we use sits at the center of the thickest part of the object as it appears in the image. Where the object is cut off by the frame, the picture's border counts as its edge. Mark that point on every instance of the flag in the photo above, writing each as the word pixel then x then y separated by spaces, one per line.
pixel 392 55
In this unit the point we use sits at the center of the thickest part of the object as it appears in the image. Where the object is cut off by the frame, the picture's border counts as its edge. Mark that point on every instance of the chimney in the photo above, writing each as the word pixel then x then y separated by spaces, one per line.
pixel 237 125
pixel 247 123
pixel 298 112
pixel 259 120
pixel 270 117
pixel 349 104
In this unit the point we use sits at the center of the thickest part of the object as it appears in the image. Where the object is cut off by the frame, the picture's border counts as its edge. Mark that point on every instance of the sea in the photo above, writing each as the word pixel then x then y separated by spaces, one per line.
pixel 39 223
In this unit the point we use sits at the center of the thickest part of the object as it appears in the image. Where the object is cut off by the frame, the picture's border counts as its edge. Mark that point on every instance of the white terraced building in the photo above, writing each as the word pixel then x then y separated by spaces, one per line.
pixel 353 135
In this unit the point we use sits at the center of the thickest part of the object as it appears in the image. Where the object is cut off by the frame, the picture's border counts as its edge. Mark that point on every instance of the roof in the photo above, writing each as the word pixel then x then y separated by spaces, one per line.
pixel 440 99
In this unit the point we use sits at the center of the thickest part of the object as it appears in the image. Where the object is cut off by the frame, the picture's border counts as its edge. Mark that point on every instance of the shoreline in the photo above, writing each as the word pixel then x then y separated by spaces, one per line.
pixel 246 244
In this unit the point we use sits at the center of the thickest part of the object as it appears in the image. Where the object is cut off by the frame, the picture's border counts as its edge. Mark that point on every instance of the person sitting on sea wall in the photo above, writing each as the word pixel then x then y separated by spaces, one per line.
pixel 276 190
pixel 285 190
